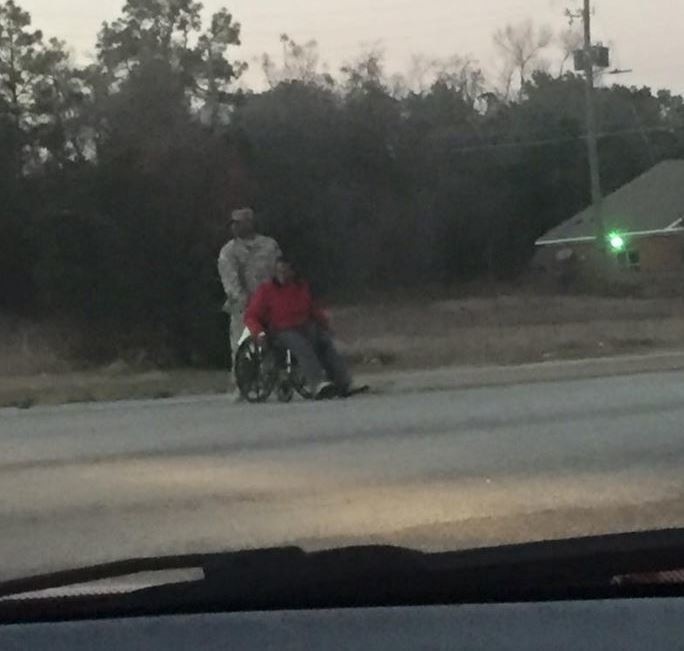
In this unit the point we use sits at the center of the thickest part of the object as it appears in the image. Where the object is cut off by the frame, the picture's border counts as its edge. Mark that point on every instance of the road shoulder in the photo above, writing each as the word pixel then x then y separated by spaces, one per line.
pixel 183 384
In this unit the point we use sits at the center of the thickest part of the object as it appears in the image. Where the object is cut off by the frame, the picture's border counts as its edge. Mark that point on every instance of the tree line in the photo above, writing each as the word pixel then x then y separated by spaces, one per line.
pixel 117 177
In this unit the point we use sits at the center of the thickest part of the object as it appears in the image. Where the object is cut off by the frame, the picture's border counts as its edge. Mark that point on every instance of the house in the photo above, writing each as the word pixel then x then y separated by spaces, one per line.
pixel 644 226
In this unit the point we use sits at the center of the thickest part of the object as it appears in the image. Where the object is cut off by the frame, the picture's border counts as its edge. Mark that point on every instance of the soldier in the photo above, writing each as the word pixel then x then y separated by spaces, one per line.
pixel 248 260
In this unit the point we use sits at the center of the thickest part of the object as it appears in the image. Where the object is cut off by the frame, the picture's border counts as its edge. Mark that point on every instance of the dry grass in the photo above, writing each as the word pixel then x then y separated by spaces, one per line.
pixel 98 386
pixel 507 329
pixel 31 349
pixel 403 332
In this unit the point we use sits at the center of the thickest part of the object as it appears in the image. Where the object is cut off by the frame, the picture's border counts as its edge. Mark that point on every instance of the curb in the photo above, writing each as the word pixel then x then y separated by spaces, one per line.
pixel 454 378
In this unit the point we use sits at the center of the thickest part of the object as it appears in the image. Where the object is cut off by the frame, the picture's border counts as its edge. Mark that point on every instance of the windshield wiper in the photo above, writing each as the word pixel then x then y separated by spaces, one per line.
pixel 289 578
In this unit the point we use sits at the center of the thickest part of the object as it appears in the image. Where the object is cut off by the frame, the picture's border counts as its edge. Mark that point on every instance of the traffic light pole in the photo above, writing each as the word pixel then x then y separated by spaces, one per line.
pixel 596 194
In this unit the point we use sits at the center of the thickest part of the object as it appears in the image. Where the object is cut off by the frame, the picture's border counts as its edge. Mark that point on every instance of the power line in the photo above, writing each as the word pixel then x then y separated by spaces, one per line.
pixel 565 140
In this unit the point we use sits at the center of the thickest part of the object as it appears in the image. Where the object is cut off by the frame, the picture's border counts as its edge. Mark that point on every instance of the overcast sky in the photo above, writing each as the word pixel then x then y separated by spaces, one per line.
pixel 646 35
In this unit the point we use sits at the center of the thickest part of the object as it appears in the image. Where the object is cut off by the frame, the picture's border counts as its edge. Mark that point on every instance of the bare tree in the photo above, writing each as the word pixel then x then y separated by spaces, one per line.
pixel 300 62
pixel 367 70
pixel 421 73
pixel 569 41
pixel 520 47
pixel 462 73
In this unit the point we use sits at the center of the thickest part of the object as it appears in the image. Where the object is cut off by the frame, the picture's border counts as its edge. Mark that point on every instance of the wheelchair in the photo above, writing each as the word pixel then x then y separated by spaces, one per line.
pixel 261 370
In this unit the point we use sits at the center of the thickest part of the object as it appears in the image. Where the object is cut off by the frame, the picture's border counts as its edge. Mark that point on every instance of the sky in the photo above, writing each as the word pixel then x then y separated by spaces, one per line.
pixel 645 35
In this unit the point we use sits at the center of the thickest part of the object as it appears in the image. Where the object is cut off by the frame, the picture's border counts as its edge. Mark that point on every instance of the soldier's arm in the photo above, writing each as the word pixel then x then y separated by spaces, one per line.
pixel 230 277
pixel 277 252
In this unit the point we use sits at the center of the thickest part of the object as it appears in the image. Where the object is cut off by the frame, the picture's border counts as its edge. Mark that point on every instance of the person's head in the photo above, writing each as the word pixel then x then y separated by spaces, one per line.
pixel 242 223
pixel 285 271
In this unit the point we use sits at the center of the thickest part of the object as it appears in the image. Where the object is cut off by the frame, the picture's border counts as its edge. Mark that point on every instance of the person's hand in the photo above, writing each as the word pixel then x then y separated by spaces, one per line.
pixel 260 339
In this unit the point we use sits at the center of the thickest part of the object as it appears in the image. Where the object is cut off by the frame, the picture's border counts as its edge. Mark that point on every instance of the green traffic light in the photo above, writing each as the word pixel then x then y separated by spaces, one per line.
pixel 617 242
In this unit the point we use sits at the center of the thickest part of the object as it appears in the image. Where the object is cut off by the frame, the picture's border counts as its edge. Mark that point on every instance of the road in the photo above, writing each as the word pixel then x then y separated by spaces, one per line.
pixel 438 469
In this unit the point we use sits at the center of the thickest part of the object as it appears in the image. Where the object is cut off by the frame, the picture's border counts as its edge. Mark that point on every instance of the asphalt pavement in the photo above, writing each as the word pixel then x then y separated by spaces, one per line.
pixel 440 469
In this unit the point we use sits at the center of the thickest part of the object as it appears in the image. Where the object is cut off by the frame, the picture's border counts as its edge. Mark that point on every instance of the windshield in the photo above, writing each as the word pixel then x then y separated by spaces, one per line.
pixel 327 274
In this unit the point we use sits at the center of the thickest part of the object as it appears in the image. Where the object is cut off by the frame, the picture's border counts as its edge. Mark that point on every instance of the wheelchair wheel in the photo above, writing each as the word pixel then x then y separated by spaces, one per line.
pixel 256 372
pixel 285 391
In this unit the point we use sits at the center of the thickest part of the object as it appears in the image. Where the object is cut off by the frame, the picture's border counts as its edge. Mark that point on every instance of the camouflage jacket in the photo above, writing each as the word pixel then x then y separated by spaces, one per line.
pixel 243 265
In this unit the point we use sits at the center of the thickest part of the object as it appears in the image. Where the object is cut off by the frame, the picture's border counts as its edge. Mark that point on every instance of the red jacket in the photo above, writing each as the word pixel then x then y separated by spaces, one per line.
pixel 276 307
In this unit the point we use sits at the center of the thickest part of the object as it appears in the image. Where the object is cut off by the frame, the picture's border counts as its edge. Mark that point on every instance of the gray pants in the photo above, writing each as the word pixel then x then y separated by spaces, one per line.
pixel 316 355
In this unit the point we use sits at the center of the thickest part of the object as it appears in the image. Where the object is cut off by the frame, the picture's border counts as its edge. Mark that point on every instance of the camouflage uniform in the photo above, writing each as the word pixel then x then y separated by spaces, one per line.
pixel 243 265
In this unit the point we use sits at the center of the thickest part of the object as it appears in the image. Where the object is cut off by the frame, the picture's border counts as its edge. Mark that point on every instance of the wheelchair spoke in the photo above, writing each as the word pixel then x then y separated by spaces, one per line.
pixel 255 372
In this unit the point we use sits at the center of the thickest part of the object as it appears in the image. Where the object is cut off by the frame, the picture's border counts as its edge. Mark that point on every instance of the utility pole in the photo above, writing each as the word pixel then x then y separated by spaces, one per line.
pixel 594 169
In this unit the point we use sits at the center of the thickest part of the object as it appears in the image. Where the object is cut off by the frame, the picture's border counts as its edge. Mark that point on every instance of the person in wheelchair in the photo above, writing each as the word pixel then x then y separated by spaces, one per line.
pixel 284 311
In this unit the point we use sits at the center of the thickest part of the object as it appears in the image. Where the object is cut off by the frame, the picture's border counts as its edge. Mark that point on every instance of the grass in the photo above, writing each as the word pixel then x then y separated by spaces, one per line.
pixel 30 349
pixel 508 329
pixel 97 386
pixel 399 333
